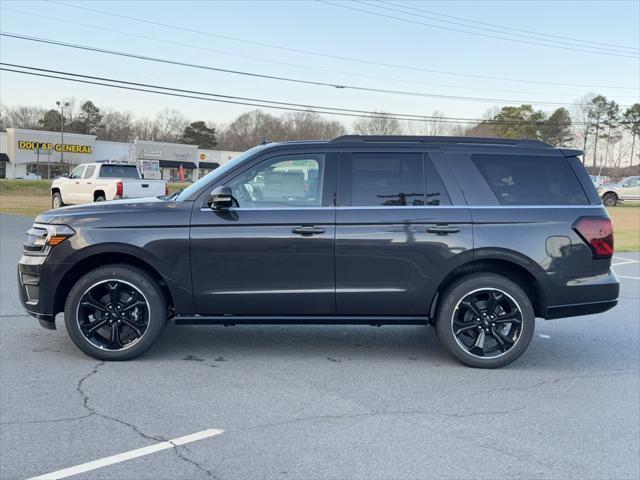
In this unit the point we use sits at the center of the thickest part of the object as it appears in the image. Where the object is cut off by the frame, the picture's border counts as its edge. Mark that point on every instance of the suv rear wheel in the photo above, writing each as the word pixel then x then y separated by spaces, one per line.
pixel 115 312
pixel 610 199
pixel 485 321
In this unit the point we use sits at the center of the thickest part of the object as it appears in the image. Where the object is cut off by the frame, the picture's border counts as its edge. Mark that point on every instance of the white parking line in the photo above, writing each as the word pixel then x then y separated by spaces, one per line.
pixel 123 457
pixel 625 262
pixel 630 278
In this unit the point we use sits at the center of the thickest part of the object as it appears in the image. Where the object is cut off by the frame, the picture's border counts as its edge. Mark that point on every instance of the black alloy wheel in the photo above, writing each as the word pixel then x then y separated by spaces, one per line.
pixel 115 312
pixel 487 323
pixel 485 320
pixel 113 315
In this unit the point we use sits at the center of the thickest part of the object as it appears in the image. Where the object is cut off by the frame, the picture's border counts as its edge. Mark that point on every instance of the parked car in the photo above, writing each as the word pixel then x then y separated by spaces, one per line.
pixel 625 190
pixel 477 237
pixel 98 182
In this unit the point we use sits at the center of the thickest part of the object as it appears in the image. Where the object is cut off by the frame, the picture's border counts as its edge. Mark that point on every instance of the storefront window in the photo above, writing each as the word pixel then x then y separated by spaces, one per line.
pixel 174 174
pixel 47 171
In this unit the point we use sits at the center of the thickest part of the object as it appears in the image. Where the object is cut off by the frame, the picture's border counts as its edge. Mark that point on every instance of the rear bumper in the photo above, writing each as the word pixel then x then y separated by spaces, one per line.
pixel 584 296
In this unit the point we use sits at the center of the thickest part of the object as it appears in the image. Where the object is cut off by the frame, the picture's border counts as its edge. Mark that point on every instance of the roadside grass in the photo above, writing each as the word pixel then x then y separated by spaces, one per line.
pixel 31 197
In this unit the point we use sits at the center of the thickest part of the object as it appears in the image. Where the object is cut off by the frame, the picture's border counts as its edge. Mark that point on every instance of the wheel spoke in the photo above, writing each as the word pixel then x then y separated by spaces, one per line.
pixel 494 300
pixel 478 346
pixel 114 292
pixel 466 328
pixel 510 318
pixel 89 301
pixel 132 325
pixel 471 305
pixel 501 344
pixel 115 336
pixel 95 326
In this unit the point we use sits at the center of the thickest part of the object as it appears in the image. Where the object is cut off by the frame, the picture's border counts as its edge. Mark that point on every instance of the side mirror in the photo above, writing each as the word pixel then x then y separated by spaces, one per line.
pixel 65 175
pixel 220 198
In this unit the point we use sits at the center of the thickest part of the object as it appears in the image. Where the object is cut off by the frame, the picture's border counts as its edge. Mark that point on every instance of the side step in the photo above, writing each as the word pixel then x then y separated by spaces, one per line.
pixel 299 320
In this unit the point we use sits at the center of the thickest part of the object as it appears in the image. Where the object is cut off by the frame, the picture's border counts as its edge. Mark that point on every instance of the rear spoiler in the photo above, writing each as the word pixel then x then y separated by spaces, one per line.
pixel 570 152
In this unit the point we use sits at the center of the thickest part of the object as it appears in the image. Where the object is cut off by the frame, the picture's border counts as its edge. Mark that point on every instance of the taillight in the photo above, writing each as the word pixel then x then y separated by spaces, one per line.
pixel 119 189
pixel 166 189
pixel 597 232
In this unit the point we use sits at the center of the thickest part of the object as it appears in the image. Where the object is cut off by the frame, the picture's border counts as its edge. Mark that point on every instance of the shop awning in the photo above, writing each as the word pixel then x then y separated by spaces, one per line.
pixel 176 164
pixel 4 157
pixel 209 165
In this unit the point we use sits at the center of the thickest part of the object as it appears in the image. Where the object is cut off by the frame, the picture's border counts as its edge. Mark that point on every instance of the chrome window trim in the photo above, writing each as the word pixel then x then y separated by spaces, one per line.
pixel 420 207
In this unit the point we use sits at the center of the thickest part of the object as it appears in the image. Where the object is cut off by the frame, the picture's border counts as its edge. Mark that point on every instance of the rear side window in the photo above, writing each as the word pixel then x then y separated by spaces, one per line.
pixel 119 171
pixel 382 179
pixel 88 173
pixel 531 180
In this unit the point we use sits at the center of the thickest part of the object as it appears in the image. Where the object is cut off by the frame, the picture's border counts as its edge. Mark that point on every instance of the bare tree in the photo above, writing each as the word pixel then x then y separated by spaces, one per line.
pixel 379 123
pixel 580 115
pixel 116 126
pixel 169 125
pixel 310 126
pixel 145 129
pixel 250 129
pixel 22 116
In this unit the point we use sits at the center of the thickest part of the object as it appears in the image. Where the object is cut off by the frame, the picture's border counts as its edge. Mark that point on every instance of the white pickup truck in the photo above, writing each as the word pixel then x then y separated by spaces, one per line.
pixel 97 182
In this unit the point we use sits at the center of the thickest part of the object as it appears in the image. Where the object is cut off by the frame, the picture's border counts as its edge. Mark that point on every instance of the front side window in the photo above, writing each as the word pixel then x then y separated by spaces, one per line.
pixel 285 181
pixel 382 179
pixel 531 180
pixel 77 172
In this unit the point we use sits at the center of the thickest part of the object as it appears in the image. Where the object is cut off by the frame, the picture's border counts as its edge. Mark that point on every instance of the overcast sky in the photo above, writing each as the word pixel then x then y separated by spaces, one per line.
pixel 334 31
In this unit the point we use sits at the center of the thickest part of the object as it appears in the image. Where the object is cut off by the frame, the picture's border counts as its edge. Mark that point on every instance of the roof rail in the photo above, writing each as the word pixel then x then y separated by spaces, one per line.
pixel 420 139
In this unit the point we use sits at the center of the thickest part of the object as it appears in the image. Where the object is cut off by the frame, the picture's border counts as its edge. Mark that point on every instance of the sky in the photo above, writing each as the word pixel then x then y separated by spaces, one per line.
pixel 274 37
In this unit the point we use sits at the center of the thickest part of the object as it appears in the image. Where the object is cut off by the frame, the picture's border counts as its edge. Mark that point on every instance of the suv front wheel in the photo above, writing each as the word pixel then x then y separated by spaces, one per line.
pixel 485 321
pixel 115 312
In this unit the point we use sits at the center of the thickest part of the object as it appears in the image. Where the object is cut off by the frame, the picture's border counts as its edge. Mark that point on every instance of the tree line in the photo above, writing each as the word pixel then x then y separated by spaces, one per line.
pixel 606 133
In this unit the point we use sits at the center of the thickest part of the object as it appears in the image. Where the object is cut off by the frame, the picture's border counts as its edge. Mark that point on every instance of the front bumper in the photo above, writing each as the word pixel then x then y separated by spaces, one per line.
pixel 37 288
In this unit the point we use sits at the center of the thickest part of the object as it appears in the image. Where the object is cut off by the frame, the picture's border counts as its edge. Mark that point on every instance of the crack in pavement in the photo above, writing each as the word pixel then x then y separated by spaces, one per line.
pixel 93 411
pixel 56 420
pixel 554 380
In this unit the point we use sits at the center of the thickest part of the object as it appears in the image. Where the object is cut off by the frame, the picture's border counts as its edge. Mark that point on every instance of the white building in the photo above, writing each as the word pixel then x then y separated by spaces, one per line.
pixel 24 153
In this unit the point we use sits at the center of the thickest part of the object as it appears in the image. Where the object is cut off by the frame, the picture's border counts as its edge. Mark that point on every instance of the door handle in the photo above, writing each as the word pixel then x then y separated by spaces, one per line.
pixel 442 229
pixel 307 230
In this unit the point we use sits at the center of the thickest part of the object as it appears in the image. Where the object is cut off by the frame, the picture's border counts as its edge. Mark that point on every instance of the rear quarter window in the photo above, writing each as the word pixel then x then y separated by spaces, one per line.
pixel 531 180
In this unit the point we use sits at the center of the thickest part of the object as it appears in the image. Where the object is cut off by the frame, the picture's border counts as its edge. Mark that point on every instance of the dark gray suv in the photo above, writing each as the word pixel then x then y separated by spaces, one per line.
pixel 476 236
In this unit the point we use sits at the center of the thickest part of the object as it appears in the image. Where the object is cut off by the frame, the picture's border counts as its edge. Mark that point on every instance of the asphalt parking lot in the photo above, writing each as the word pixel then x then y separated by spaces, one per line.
pixel 326 402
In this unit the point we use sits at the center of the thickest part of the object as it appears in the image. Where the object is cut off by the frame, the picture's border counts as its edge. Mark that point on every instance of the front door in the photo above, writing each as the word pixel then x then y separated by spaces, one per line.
pixel 272 254
pixel 397 232
pixel 630 189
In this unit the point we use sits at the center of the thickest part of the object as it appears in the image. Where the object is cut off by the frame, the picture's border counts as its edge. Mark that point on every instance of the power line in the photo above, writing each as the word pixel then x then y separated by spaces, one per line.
pixel 289 64
pixel 175 92
pixel 505 27
pixel 335 57
pixel 403 10
pixel 277 77
pixel 406 20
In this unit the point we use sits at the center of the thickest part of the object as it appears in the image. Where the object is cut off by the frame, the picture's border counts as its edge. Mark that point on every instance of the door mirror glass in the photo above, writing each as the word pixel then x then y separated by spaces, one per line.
pixel 220 198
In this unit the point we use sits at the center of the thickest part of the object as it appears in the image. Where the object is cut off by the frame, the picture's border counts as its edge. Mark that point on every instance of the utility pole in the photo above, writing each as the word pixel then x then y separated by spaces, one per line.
pixel 62 106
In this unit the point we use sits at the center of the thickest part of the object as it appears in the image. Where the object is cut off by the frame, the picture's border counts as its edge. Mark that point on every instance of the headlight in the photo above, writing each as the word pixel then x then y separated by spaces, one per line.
pixel 41 237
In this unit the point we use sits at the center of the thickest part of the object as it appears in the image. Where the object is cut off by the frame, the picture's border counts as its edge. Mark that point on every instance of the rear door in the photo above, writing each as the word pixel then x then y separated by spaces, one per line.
pixel 399 230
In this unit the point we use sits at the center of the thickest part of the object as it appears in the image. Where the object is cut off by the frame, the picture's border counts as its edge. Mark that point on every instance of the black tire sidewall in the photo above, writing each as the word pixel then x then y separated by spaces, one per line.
pixel 610 203
pixel 457 292
pixel 53 197
pixel 142 281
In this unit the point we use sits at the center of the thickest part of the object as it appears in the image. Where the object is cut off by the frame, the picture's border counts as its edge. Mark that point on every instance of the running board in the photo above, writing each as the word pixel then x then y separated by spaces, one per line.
pixel 299 320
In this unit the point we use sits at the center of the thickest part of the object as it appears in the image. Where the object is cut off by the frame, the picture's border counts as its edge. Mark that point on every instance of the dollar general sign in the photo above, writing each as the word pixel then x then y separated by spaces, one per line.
pixel 58 147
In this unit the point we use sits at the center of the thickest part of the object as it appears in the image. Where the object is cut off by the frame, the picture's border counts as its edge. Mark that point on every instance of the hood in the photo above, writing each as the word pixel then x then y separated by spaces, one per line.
pixel 91 212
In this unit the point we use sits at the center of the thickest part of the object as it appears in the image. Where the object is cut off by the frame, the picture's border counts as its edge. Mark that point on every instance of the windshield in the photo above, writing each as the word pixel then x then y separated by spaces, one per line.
pixel 210 177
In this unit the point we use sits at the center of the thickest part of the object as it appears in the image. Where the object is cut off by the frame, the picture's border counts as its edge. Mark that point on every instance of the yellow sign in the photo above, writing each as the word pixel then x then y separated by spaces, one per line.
pixel 58 147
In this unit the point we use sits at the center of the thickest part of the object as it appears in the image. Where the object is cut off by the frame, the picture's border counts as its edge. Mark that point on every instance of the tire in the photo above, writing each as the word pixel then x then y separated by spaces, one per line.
pixel 130 303
pixel 473 295
pixel 99 198
pixel 610 199
pixel 56 200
